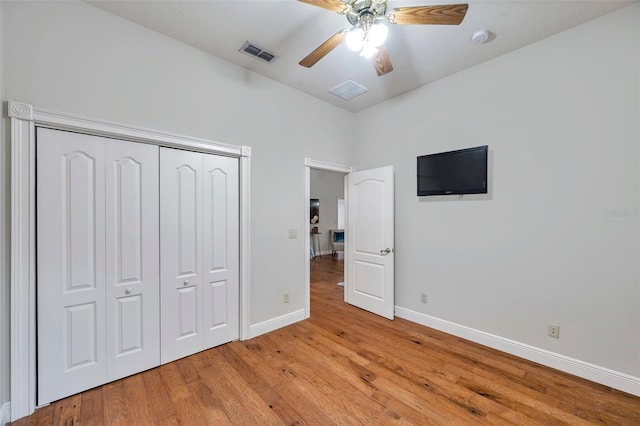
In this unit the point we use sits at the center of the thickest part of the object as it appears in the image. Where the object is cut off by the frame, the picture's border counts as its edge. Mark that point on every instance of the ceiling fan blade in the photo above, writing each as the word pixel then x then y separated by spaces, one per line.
pixel 450 14
pixel 326 47
pixel 382 62
pixel 337 6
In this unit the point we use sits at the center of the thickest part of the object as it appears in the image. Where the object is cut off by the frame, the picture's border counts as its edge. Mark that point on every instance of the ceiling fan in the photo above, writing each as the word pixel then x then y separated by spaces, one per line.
pixel 368 32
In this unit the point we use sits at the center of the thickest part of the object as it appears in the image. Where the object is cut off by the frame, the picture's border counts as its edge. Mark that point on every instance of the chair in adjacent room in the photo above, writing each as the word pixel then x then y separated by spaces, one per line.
pixel 337 240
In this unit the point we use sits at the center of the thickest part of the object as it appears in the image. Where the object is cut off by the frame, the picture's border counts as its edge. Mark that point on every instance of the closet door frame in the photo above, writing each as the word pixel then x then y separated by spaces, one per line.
pixel 24 120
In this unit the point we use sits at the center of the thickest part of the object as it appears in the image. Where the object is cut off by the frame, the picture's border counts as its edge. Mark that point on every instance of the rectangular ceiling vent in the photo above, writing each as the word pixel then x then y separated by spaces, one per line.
pixel 348 90
pixel 258 52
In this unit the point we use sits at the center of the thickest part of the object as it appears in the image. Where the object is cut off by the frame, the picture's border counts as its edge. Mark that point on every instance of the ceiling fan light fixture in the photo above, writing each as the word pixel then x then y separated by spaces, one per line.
pixel 377 35
pixel 368 51
pixel 366 40
pixel 355 39
pixel 367 35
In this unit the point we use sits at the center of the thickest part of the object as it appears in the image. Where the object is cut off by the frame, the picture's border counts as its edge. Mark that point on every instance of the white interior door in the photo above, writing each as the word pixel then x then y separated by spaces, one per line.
pixel 199 238
pixel 71 263
pixel 106 306
pixel 98 280
pixel 132 258
pixel 180 253
pixel 221 310
pixel 369 241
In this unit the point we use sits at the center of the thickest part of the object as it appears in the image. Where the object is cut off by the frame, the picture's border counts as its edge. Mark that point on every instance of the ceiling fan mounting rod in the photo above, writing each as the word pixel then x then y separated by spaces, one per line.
pixel 365 20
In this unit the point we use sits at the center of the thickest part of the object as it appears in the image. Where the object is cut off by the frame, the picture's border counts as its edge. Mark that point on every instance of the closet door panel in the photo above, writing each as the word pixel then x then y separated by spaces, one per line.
pixel 181 253
pixel 132 257
pixel 187 304
pixel 70 263
pixel 221 250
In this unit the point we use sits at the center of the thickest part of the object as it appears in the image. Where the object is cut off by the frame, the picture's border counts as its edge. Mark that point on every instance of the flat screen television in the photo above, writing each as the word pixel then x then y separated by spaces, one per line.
pixel 454 172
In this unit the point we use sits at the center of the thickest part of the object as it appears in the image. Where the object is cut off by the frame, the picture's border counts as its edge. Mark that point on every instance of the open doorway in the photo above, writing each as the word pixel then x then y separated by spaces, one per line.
pixel 324 256
pixel 326 217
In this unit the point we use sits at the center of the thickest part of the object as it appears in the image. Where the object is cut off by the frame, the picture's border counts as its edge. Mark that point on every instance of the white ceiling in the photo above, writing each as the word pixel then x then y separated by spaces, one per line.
pixel 420 54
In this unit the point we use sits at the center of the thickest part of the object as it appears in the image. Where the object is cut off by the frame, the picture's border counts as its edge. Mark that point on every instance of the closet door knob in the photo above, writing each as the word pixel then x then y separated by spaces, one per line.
pixel 186 282
pixel 128 291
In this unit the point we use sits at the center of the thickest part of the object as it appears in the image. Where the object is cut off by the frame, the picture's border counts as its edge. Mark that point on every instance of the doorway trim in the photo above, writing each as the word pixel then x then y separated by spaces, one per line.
pixel 309 164
pixel 24 119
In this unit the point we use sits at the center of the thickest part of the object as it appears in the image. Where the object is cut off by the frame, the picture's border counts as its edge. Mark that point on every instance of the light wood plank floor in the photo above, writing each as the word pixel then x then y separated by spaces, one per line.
pixel 346 366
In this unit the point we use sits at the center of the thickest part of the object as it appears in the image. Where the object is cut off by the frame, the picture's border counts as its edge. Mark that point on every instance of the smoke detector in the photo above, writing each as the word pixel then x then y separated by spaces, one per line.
pixel 480 37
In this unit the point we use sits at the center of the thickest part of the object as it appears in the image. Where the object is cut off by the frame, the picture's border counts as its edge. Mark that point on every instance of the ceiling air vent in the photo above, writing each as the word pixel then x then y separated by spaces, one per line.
pixel 348 90
pixel 258 52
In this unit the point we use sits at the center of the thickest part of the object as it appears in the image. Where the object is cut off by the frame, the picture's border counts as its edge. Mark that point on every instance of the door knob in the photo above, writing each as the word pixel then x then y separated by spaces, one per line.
pixel 385 251
pixel 128 291
pixel 186 282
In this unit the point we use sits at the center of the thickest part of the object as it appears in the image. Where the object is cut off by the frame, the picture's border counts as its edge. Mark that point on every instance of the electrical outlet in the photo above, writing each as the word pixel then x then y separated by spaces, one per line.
pixel 554 331
pixel 285 298
pixel 293 234
pixel 423 297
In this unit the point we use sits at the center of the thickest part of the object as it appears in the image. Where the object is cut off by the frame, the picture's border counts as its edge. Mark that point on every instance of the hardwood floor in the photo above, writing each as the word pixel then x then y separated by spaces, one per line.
pixel 346 366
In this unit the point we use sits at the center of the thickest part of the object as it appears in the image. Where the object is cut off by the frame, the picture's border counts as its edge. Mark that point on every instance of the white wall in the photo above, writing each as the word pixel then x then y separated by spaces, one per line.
pixel 560 117
pixel 4 248
pixel 328 187
pixel 72 57
pixel 548 244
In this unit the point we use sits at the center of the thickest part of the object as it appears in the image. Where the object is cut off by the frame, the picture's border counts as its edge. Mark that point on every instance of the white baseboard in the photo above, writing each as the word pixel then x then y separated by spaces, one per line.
pixel 595 373
pixel 264 327
pixel 5 413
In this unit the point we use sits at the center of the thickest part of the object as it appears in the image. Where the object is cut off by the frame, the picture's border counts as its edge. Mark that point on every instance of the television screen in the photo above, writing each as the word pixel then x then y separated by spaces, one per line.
pixel 455 172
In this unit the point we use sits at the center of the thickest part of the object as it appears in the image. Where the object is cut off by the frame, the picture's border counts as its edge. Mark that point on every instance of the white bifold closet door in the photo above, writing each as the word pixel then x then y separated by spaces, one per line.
pixel 97 261
pixel 199 238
